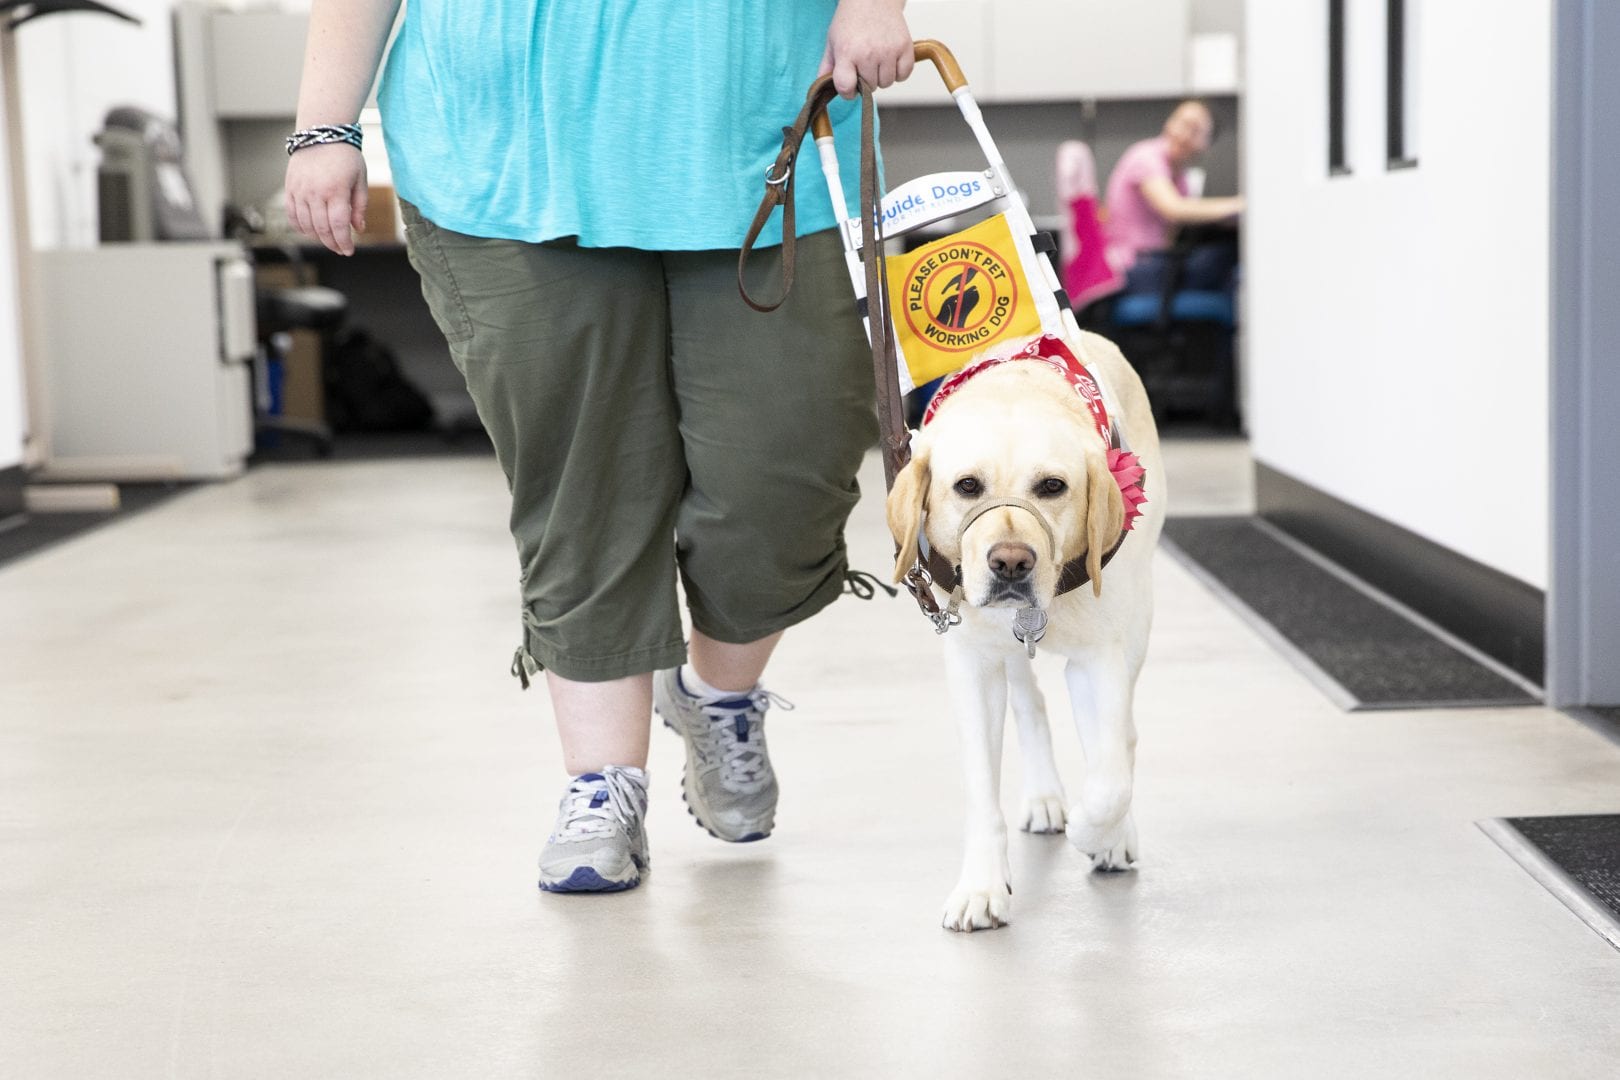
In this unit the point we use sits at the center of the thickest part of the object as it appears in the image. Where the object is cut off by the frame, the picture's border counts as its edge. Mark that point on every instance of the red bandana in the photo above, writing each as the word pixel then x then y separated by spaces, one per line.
pixel 1051 351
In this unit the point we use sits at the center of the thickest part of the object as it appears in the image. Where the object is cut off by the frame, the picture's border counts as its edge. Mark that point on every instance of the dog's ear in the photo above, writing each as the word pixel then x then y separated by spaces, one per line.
pixel 907 500
pixel 1105 516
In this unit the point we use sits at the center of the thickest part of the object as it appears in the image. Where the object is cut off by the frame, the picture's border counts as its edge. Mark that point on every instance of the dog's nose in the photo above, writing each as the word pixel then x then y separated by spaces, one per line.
pixel 1012 562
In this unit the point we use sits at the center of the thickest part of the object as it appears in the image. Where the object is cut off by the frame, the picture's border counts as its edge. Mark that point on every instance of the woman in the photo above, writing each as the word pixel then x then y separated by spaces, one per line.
pixel 575 180
pixel 1148 196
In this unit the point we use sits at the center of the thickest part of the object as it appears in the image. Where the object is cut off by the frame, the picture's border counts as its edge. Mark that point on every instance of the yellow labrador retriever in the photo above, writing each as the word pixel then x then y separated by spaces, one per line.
pixel 1010 481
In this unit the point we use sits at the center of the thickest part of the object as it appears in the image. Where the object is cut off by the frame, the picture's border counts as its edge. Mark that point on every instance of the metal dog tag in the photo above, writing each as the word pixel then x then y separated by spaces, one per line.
pixel 1029 626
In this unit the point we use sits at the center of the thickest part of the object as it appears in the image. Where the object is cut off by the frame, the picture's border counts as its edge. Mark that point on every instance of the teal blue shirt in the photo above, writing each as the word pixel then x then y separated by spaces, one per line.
pixel 624 123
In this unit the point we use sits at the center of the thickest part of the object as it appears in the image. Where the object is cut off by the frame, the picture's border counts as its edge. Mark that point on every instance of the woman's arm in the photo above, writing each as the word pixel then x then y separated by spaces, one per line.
pixel 868 38
pixel 326 185
pixel 1177 209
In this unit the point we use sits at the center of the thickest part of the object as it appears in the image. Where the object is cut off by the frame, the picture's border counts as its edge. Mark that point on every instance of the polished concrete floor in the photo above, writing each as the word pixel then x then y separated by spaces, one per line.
pixel 269 805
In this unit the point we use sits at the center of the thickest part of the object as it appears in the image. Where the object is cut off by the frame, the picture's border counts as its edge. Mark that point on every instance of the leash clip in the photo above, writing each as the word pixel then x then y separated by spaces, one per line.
pixel 944 620
pixel 778 181
pixel 920 583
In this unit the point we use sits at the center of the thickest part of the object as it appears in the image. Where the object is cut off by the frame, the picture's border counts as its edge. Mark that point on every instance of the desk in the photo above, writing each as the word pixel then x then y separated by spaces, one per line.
pixel 385 300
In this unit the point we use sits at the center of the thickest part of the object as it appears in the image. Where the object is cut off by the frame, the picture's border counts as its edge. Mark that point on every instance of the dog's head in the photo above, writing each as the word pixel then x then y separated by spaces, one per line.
pixel 1016 431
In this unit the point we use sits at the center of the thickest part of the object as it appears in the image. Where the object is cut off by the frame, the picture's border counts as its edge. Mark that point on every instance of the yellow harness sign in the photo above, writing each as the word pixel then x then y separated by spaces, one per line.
pixel 956 297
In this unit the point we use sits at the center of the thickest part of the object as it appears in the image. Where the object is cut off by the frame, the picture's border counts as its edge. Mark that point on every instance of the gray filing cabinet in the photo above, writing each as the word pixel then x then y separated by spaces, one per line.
pixel 145 351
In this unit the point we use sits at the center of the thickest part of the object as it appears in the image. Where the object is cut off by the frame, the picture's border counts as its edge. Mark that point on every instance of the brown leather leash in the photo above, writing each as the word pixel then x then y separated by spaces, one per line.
pixel 894 437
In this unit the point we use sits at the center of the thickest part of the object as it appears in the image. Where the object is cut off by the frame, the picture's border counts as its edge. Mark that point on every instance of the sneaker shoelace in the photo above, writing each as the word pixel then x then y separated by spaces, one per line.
pixel 737 724
pixel 597 803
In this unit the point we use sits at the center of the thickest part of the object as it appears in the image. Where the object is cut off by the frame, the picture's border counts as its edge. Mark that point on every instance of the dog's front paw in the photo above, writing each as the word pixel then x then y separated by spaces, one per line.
pixel 1113 848
pixel 978 907
pixel 1044 814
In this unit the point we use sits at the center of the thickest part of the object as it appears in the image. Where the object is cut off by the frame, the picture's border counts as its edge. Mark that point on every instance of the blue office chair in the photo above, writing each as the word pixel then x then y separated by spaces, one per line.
pixel 1179 340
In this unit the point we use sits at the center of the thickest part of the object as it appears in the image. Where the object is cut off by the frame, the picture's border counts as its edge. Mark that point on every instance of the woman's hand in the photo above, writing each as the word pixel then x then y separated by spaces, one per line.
pixel 326 194
pixel 869 39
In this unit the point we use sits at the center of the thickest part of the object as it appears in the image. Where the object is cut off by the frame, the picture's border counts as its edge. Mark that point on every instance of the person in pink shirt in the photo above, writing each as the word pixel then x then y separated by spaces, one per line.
pixel 1148 197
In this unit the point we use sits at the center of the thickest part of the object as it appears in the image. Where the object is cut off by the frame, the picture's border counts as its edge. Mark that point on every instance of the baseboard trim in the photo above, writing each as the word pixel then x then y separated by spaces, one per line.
pixel 1499 615
pixel 11 492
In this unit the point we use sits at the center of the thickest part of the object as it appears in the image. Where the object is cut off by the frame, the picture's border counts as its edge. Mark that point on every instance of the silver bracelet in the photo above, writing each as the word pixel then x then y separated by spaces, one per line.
pixel 324 133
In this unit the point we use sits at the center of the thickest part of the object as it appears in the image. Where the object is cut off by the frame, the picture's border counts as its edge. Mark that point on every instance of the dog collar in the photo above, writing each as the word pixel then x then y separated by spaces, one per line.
pixel 1050 350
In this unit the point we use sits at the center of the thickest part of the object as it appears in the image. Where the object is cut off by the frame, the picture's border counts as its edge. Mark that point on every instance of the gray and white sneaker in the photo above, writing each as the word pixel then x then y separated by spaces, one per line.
pixel 728 783
pixel 599 843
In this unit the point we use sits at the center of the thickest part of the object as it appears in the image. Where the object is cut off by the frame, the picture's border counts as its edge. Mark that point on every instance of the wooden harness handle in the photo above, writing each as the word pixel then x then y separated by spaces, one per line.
pixel 926 49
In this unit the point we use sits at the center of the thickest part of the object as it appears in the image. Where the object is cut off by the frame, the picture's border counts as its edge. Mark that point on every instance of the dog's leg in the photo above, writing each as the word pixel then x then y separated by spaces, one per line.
pixel 1102 686
pixel 1043 791
pixel 978 685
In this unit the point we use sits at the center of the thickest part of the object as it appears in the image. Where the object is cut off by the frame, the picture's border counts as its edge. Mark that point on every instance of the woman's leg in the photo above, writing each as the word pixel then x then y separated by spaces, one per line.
pixel 602 723
pixel 734 669
pixel 564 352
pixel 1209 266
pixel 776 412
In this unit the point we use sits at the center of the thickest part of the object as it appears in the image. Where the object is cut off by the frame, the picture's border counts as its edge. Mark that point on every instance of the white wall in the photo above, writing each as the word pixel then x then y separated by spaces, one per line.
pixel 1397 322
pixel 1217 17
pixel 74 67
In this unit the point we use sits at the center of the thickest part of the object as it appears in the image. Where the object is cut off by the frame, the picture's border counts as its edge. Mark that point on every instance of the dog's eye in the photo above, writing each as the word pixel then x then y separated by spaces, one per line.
pixel 1052 485
pixel 969 486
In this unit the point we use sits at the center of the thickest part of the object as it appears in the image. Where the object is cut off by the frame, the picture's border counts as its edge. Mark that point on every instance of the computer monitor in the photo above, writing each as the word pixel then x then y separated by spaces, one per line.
pixel 142 190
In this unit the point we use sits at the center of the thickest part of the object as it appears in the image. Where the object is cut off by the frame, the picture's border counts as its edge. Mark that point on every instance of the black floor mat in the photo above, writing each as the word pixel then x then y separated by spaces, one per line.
pixel 378 446
pixel 35 532
pixel 1379 658
pixel 1585 847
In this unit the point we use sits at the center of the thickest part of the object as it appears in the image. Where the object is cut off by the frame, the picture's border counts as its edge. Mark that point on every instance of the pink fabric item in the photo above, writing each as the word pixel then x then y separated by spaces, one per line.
pixel 1088 276
pixel 1076 171
pixel 1128 473
pixel 1133 225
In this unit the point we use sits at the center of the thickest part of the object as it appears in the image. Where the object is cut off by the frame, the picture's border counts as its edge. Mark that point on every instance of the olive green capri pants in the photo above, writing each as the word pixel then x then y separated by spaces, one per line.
pixel 649 424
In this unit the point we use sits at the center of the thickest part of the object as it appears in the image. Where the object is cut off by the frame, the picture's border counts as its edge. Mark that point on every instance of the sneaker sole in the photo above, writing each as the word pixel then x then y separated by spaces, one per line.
pixel 585 879
pixel 690 809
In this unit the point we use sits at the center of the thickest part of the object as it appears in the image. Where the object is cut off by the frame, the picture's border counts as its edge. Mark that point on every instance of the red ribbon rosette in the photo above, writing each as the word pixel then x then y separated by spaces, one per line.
pixel 1128 473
